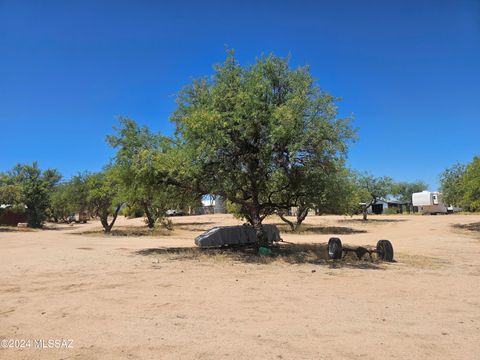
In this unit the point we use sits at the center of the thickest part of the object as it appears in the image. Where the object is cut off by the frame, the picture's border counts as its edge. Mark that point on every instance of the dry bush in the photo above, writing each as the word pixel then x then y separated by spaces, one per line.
pixel 15 229
pixel 133 231
pixel 422 262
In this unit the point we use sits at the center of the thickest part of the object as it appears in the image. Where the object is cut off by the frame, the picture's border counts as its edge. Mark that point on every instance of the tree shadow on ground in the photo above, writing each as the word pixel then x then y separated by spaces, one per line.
pixel 470 227
pixel 318 229
pixel 194 223
pixel 331 230
pixel 313 254
pixel 8 229
pixel 15 229
pixel 125 232
pixel 194 226
pixel 59 227
pixel 371 221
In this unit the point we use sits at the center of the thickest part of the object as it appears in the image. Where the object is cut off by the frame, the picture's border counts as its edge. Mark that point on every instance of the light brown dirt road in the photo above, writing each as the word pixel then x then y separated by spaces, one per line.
pixel 118 304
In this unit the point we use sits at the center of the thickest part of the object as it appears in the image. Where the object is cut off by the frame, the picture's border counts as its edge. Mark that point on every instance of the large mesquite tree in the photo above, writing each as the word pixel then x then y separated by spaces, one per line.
pixel 253 133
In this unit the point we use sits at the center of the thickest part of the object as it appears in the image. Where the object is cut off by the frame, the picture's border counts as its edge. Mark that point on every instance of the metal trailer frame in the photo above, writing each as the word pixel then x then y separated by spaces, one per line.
pixel 337 250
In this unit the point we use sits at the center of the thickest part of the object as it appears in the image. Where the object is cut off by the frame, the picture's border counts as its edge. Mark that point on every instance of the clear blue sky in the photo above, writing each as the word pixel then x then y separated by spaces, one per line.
pixel 407 70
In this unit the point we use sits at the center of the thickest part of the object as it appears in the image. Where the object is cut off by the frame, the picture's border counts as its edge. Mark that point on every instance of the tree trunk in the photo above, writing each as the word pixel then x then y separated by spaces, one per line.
pixel 365 213
pixel 286 221
pixel 104 219
pixel 117 210
pixel 150 218
pixel 365 208
pixel 302 213
pixel 33 217
pixel 256 222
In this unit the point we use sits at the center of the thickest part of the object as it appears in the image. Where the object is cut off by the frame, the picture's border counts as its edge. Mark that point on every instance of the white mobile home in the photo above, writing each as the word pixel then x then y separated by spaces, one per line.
pixel 429 202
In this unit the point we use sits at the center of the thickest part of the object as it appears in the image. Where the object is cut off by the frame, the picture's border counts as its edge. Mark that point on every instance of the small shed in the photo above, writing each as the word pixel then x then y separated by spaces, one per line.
pixel 381 206
pixel 9 217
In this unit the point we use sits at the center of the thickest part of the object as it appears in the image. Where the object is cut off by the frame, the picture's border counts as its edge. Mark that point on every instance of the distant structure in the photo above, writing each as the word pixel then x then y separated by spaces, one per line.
pixel 9 217
pixel 219 206
pixel 431 202
pixel 394 206
pixel 212 204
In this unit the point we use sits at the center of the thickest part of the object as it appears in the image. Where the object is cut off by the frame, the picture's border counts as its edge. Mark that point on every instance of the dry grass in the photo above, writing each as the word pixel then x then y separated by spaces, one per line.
pixel 371 221
pixel 314 254
pixel 133 231
pixel 421 262
pixel 15 229
pixel 329 230
pixel 318 229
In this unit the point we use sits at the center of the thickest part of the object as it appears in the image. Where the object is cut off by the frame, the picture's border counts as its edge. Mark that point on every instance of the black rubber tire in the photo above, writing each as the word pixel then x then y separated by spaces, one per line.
pixel 385 250
pixel 335 248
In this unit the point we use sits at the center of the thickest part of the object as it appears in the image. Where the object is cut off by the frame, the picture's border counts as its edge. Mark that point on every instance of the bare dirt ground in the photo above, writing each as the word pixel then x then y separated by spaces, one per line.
pixel 133 297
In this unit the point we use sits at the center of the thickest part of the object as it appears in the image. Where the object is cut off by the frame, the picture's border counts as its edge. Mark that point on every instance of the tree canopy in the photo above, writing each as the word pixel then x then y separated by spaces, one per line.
pixel 145 164
pixel 104 198
pixel 460 185
pixel 329 191
pixel 403 190
pixel 255 132
pixel 69 197
pixel 371 188
pixel 134 165
pixel 28 186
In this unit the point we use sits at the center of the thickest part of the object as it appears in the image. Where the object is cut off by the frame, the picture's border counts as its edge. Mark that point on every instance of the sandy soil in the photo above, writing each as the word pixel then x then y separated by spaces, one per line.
pixel 119 300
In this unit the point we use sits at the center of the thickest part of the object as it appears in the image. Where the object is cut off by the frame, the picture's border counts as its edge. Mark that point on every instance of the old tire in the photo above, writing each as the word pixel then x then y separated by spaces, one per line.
pixel 385 250
pixel 335 248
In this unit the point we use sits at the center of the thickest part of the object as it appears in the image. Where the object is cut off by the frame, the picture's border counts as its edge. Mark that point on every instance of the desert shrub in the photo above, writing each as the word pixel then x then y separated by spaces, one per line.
pixel 390 210
pixel 132 211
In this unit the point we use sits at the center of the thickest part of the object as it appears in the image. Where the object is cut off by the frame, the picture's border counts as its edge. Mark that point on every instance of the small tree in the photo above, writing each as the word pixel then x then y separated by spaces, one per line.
pixel 143 163
pixel 460 185
pixel 471 185
pixel 251 132
pixel 28 186
pixel 10 192
pixel 326 191
pixel 103 196
pixel 339 195
pixel 451 185
pixel 69 197
pixel 60 203
pixel 370 189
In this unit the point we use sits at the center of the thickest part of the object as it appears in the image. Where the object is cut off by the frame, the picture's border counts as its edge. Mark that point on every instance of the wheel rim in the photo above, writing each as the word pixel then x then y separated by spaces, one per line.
pixel 381 251
pixel 331 253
